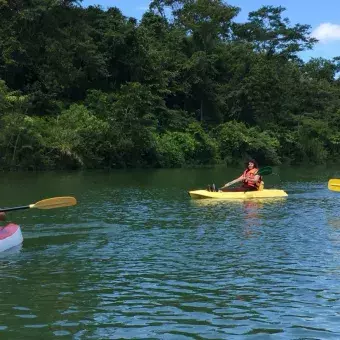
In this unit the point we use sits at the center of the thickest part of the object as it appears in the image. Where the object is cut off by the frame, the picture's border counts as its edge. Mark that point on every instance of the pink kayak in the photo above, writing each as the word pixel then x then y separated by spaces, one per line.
pixel 10 236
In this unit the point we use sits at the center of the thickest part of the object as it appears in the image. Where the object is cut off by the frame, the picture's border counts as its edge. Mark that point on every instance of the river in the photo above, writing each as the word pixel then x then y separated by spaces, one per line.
pixel 137 258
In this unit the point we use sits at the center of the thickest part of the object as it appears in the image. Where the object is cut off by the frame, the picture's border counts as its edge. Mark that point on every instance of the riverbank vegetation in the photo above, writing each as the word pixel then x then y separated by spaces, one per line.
pixel 186 85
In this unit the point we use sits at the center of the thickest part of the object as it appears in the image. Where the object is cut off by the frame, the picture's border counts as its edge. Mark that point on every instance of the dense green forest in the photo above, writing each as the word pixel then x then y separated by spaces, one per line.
pixel 185 85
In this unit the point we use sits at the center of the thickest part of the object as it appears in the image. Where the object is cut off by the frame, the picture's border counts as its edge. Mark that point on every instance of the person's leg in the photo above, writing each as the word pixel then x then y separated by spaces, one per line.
pixel 211 187
pixel 239 189
pixel 249 188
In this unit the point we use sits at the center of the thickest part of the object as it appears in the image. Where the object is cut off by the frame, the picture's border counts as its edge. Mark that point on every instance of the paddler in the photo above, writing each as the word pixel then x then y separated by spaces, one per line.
pixel 2 216
pixel 249 178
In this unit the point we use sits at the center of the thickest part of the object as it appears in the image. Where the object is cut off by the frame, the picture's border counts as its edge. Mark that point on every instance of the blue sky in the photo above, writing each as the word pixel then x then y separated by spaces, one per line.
pixel 323 16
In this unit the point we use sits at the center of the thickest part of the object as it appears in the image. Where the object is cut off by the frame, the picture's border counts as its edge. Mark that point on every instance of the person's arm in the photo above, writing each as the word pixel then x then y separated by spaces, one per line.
pixel 2 216
pixel 239 179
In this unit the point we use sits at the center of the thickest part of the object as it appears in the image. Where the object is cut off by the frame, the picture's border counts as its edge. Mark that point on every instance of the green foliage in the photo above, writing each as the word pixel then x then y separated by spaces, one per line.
pixel 73 139
pixel 77 134
pixel 91 88
pixel 236 141
pixel 194 146
pixel 271 34
pixel 11 101
pixel 206 150
pixel 174 149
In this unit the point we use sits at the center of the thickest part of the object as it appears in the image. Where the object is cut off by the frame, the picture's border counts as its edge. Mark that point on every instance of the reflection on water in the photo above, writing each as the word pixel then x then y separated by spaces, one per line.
pixel 334 223
pixel 251 211
pixel 137 258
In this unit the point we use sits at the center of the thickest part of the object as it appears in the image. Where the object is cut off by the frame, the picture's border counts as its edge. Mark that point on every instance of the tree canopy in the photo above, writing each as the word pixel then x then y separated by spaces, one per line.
pixel 187 84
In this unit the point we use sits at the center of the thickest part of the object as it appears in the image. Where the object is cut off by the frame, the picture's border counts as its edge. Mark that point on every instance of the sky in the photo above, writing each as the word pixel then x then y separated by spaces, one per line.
pixel 323 16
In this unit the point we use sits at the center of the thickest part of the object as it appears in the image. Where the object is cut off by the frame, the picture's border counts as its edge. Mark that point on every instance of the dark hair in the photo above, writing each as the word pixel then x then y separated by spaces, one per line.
pixel 254 162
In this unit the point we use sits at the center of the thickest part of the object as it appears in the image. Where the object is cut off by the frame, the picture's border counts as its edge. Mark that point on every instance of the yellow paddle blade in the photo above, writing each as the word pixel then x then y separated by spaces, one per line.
pixel 55 202
pixel 334 184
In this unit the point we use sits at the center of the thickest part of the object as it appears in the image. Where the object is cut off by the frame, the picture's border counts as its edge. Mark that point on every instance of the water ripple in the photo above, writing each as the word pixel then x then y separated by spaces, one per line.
pixel 150 263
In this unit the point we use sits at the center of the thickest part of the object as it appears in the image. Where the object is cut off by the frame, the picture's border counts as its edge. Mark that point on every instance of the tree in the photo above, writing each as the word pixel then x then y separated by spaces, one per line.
pixel 271 34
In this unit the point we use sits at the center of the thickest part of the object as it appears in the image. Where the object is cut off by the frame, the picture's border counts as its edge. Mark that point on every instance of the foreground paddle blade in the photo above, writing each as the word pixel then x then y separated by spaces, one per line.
pixel 334 184
pixel 56 202
pixel 49 203
pixel 267 170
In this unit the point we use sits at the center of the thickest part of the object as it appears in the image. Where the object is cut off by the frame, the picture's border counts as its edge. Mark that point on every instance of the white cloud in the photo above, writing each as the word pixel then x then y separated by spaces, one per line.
pixel 326 32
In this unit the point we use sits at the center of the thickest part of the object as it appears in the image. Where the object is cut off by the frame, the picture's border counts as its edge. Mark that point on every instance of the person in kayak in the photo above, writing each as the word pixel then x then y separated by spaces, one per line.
pixel 251 181
pixel 2 216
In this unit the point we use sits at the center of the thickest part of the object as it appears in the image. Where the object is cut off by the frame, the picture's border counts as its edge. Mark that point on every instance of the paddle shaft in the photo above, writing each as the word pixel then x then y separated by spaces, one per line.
pixel 15 208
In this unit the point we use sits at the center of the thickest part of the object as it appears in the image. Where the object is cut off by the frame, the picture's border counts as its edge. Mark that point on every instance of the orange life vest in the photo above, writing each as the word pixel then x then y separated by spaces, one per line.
pixel 251 174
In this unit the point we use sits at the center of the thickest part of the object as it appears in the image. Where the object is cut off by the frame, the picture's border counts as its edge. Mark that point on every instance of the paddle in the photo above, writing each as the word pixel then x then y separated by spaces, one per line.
pixel 267 170
pixel 334 184
pixel 49 203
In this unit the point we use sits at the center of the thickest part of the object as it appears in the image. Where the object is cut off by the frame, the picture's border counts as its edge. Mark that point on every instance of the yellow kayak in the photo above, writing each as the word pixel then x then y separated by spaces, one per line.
pixel 265 193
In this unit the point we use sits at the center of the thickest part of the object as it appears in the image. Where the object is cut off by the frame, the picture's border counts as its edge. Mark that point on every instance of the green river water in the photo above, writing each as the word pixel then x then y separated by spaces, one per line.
pixel 136 258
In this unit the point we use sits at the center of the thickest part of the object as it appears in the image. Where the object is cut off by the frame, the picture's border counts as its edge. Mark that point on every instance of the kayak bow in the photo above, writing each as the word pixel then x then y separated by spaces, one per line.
pixel 10 236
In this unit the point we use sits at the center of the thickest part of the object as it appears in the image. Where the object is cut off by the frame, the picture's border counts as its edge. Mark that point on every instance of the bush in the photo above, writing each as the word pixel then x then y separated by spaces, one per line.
pixel 78 134
pixel 206 150
pixel 174 149
pixel 236 141
pixel 73 139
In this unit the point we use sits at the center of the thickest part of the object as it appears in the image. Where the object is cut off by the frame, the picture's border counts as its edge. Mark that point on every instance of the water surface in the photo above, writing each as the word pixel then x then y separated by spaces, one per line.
pixel 138 259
